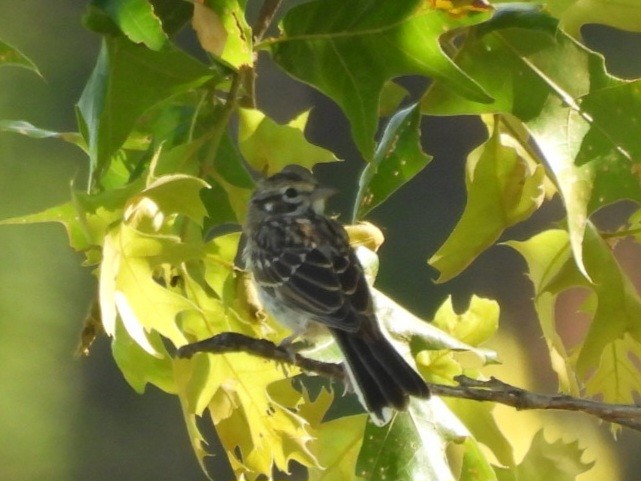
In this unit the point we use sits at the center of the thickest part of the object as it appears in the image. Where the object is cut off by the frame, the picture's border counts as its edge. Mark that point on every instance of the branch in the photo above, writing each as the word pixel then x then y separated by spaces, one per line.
pixel 492 390
pixel 265 17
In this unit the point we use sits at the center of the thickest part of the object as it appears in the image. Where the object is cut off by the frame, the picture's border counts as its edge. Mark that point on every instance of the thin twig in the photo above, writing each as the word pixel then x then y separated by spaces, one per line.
pixel 265 17
pixel 493 390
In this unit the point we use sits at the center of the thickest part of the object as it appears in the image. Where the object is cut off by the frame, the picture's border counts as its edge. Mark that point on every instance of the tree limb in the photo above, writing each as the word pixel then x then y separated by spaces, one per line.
pixel 493 390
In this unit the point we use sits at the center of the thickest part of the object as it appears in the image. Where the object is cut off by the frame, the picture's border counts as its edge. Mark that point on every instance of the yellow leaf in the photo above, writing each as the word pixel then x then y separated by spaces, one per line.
pixel 268 146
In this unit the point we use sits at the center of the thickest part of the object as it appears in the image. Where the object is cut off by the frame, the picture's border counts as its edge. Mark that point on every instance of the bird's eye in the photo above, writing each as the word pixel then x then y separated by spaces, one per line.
pixel 290 192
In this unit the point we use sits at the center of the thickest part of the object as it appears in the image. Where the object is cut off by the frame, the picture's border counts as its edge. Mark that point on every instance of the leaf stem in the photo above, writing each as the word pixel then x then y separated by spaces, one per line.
pixel 220 126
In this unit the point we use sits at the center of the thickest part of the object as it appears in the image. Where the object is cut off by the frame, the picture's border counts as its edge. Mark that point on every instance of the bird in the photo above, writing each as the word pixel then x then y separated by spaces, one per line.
pixel 308 278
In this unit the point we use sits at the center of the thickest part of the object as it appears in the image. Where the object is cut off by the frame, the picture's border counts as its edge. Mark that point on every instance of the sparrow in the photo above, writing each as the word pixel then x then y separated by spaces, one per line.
pixel 308 277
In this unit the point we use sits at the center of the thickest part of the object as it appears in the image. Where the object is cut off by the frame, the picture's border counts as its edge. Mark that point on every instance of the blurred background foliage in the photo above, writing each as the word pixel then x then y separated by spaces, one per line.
pixel 65 418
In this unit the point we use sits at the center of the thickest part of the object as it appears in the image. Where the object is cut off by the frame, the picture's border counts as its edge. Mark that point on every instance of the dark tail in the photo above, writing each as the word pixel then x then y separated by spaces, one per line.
pixel 381 377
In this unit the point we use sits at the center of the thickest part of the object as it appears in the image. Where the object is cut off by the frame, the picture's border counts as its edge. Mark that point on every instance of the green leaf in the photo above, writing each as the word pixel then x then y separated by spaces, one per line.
pixel 128 285
pixel 139 367
pixel 338 443
pixel 66 214
pixel 398 158
pixel 479 419
pixel 128 80
pixel 621 14
pixel 223 31
pixel 617 377
pixel 616 313
pixel 551 270
pixel 562 93
pixel 412 446
pixel 137 20
pixel 405 328
pixel 11 56
pixel 268 146
pixel 365 43
pixel 558 461
pixel 86 218
pixel 25 128
pixel 171 194
pixel 502 190
pixel 475 466
pixel 474 326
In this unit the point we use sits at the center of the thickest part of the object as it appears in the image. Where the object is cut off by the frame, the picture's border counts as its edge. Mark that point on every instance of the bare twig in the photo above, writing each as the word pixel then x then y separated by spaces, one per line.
pixel 492 390
pixel 265 17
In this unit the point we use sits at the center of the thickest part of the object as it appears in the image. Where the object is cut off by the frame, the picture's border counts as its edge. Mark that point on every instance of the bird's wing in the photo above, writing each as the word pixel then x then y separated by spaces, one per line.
pixel 317 274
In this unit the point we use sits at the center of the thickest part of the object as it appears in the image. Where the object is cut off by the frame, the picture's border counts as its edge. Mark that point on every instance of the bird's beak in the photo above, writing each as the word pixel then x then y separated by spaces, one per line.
pixel 322 193
pixel 319 196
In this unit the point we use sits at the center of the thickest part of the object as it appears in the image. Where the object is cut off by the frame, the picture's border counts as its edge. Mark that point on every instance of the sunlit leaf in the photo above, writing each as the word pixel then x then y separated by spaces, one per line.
pixel 251 423
pixel 558 460
pixel 616 313
pixel 474 465
pixel 566 99
pixel 363 44
pixel 474 326
pixel 617 378
pixel 502 190
pixel 337 444
pixel 139 367
pixel 404 327
pixel 176 194
pixel 137 20
pixel 268 146
pixel 398 158
pixel 223 31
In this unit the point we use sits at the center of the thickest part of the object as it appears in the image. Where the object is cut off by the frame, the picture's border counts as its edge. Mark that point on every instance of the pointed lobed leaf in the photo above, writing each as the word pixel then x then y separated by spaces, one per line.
pixel 175 194
pixel 405 328
pixel 621 14
pixel 268 146
pixel 257 431
pixel 502 190
pixel 363 44
pixel 557 460
pixel 397 159
pixel 11 56
pixel 474 326
pixel 563 94
pixel 86 218
pixel 337 444
pixel 617 378
pixel 616 313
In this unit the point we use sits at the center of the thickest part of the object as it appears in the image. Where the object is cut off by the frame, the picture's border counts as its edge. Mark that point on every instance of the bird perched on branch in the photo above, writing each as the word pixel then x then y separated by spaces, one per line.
pixel 307 276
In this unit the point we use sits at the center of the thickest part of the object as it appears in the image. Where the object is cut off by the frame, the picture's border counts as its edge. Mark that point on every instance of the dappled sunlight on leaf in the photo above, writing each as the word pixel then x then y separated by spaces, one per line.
pixel 268 146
